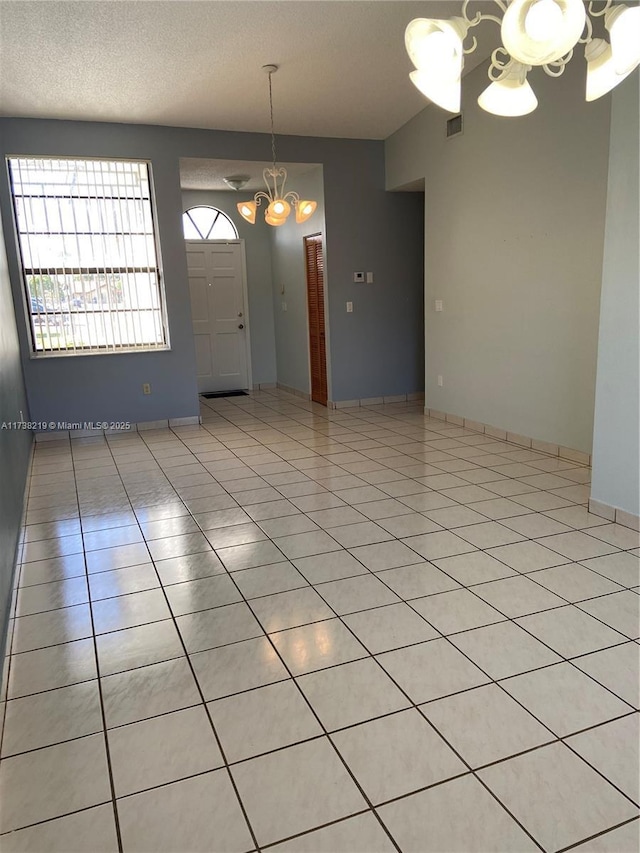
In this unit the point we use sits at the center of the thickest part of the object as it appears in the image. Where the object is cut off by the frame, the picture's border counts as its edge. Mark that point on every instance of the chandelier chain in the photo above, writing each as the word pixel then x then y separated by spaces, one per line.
pixel 273 138
pixel 278 202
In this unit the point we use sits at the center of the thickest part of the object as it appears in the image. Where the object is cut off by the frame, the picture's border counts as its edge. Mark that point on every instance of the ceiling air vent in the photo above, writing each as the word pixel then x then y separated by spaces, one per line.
pixel 454 125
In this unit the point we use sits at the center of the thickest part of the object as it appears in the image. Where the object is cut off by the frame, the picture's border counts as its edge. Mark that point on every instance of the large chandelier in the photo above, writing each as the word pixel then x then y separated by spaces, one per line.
pixel 534 33
pixel 279 202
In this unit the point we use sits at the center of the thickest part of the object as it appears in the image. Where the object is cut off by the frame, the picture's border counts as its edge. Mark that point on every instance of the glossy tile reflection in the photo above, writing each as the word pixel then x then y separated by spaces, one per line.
pixel 310 631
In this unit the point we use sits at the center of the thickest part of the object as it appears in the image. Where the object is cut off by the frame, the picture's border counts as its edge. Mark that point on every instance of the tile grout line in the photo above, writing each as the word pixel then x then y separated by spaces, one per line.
pixel 599 834
pixel 509 695
pixel 206 710
pixel 107 749
pixel 312 585
pixel 413 705
pixel 319 721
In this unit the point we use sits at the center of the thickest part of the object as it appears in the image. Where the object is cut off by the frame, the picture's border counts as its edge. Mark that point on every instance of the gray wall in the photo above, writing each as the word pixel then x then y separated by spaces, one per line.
pixel 14 444
pixel 378 350
pixel 290 286
pixel 616 456
pixel 257 246
pixel 109 387
pixel 514 229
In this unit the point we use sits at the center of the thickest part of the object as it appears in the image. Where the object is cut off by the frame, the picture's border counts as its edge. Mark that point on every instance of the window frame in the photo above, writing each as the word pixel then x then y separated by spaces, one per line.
pixel 37 354
pixel 220 212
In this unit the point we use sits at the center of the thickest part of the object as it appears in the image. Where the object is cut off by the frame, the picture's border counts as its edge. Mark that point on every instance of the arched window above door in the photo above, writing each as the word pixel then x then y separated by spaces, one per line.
pixel 207 223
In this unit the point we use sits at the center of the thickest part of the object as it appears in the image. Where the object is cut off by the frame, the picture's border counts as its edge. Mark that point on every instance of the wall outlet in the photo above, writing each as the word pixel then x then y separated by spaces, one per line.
pixel 146 388
pixel 369 278
pixel 349 307
pixel 440 381
pixel 438 305
pixel 358 277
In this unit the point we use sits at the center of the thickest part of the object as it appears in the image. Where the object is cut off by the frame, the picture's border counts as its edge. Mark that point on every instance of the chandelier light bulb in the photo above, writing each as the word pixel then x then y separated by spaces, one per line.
pixel 279 209
pixel 623 24
pixel 511 95
pixel 275 177
pixel 543 19
pixel 443 93
pixel 247 209
pixel 441 47
pixel 274 220
pixel 601 72
pixel 304 210
pixel 436 46
pixel 535 34
pixel 541 33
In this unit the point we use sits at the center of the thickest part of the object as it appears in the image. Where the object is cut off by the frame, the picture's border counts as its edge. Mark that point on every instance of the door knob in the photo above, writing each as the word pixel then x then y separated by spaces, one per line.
pixel 241 326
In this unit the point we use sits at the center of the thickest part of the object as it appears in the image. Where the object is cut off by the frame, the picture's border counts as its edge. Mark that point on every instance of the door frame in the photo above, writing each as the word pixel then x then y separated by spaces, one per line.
pixel 245 295
pixel 325 298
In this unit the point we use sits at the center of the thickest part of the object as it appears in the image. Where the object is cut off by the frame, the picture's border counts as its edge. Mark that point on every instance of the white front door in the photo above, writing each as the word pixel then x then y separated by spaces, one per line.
pixel 218 310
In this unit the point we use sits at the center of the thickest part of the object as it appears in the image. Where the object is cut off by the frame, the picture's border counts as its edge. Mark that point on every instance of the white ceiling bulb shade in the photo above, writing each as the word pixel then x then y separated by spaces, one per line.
pixel 247 209
pixel 278 201
pixel 236 182
pixel 601 72
pixel 542 20
pixel 279 209
pixel 623 24
pixel 537 32
pixel 443 93
pixel 436 46
pixel 305 209
pixel 534 33
pixel 511 94
pixel 274 220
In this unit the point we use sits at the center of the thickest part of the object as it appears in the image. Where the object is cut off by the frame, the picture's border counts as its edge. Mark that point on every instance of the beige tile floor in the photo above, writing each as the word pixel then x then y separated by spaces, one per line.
pixel 292 629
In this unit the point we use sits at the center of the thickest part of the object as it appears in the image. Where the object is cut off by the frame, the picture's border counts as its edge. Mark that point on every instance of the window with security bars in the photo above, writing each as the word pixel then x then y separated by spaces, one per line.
pixel 89 255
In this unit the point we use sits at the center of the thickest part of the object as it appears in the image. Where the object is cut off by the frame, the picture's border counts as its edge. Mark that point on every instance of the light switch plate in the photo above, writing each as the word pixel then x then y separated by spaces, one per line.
pixel 369 278
pixel 438 305
pixel 349 307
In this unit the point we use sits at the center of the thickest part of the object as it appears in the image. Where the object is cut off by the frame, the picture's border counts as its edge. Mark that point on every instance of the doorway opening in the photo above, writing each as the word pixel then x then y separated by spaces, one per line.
pixel 274 265
pixel 314 260
pixel 218 289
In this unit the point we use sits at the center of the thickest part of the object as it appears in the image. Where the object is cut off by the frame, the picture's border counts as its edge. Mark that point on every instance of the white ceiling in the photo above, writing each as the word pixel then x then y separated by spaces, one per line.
pixel 201 174
pixel 343 67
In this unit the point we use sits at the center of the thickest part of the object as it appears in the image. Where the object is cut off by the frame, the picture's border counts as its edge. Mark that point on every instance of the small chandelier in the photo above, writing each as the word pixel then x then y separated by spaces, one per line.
pixel 534 33
pixel 278 201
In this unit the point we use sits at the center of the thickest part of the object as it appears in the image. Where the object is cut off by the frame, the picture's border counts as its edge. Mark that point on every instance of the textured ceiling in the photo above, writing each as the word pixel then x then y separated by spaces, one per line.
pixel 201 174
pixel 343 67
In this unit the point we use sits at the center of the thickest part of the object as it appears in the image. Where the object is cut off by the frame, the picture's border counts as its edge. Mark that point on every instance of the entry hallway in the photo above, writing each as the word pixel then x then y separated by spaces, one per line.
pixel 294 629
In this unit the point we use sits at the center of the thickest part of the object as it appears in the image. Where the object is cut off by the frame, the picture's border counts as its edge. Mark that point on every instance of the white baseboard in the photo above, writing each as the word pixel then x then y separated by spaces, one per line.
pixel 295 391
pixel 195 420
pixel 142 426
pixel 6 630
pixel 615 514
pixel 376 401
pixel 512 437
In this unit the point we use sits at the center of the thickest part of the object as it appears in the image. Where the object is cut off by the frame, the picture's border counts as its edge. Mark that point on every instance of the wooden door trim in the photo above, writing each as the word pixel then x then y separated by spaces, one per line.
pixel 318 354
